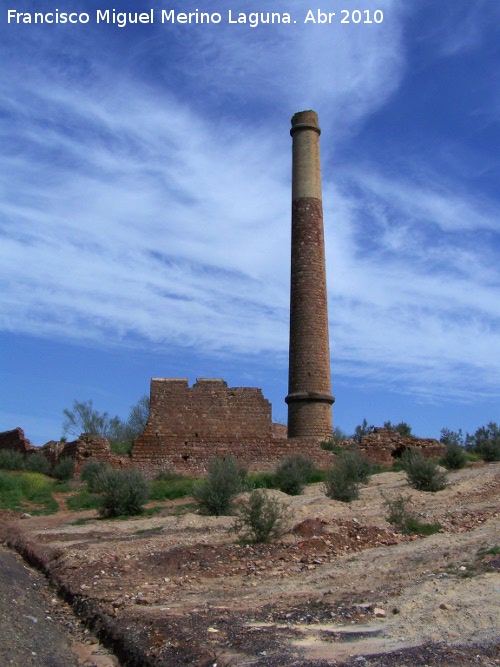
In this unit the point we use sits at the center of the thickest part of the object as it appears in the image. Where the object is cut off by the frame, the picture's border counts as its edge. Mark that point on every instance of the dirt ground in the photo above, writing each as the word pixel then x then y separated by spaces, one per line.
pixel 342 587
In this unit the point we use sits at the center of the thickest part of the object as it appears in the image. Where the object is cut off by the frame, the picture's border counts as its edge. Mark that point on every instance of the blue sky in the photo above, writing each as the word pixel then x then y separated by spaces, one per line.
pixel 145 207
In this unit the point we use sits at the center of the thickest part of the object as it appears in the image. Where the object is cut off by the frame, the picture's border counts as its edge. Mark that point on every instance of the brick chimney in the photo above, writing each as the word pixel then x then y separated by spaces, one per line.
pixel 309 386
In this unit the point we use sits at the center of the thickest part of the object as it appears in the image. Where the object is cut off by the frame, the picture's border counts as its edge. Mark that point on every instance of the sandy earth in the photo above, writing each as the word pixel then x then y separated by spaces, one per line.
pixel 341 587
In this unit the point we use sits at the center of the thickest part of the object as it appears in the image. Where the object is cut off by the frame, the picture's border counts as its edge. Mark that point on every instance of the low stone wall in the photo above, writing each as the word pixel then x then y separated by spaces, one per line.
pixel 384 446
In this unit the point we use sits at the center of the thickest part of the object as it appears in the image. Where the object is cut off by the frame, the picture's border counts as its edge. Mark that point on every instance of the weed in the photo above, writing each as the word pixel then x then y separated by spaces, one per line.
pixel 90 474
pixel 454 458
pixel 493 551
pixel 11 460
pixel 147 531
pixel 292 473
pixel 350 470
pixel 422 473
pixel 121 448
pixel 65 469
pixel 262 518
pixel 37 463
pixel 122 492
pixel 26 491
pixel 215 493
pixel 402 518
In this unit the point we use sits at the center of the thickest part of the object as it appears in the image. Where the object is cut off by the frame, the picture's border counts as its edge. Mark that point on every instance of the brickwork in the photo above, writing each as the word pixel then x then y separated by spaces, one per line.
pixel 88 447
pixel 189 426
pixel 16 441
pixel 384 446
pixel 309 386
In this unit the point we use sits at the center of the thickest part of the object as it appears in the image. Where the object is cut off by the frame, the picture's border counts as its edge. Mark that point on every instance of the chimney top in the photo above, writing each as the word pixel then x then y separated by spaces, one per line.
pixel 303 120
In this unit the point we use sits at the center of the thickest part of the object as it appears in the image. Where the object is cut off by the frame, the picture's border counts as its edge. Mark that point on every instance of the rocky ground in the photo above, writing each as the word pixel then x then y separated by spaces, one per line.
pixel 342 587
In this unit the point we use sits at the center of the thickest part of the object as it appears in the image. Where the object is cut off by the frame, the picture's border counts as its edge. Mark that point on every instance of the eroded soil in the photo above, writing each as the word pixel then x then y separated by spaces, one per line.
pixel 342 587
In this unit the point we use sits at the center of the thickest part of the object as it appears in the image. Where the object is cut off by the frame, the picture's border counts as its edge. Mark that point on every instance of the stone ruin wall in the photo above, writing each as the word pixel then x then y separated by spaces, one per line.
pixel 88 447
pixel 16 441
pixel 189 426
pixel 384 447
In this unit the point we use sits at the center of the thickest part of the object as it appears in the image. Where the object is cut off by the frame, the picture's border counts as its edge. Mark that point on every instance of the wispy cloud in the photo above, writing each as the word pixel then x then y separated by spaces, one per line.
pixel 131 215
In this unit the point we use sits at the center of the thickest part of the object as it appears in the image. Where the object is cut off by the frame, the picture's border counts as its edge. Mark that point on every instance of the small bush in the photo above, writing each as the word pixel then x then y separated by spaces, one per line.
pixel 215 493
pixel 402 428
pixel 362 430
pixel 292 473
pixel 121 448
pixel 351 469
pixel 485 442
pixel 37 463
pixel 90 474
pixel 404 520
pixel 261 480
pixel 122 492
pixel 11 460
pixel 64 470
pixel 489 450
pixel 422 473
pixel 454 458
pixel 262 518
pixel 333 444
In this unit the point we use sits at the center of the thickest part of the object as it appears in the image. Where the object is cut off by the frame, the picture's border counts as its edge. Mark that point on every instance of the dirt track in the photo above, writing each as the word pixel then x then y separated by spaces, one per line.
pixel 341 588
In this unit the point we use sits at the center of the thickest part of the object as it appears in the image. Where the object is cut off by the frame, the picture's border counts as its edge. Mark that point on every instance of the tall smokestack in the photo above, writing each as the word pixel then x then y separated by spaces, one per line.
pixel 309 386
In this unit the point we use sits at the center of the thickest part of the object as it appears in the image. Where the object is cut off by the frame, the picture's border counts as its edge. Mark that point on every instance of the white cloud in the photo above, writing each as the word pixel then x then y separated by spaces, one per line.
pixel 129 215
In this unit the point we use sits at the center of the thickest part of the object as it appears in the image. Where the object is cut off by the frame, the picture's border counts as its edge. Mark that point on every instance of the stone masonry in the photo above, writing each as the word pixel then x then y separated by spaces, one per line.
pixel 384 446
pixel 16 441
pixel 189 426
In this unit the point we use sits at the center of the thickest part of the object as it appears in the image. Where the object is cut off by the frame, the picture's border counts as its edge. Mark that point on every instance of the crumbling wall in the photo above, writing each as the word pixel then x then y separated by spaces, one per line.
pixel 384 446
pixel 189 426
pixel 16 441
pixel 88 447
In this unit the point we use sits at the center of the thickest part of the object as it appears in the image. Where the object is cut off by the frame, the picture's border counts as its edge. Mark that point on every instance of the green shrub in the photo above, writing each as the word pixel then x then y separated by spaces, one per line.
pixel 64 470
pixel 362 430
pixel 489 450
pixel 350 470
pixel 339 486
pixel 402 428
pixel 422 473
pixel 90 474
pixel 11 460
pixel 485 442
pixel 261 518
pixel 449 437
pixel 454 458
pixel 333 444
pixel 121 448
pixel 215 493
pixel 399 516
pixel 122 492
pixel 261 480
pixel 37 463
pixel 292 473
